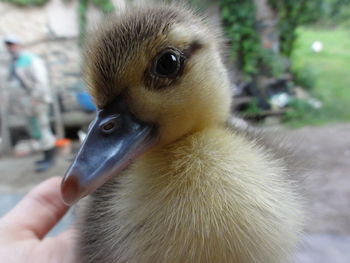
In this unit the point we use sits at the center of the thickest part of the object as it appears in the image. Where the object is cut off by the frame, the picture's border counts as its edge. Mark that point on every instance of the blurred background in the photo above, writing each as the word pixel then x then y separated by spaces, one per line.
pixel 289 63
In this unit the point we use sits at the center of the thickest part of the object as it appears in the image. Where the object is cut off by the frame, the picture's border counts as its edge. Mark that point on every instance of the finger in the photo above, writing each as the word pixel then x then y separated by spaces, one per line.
pixel 56 249
pixel 39 210
pixel 68 240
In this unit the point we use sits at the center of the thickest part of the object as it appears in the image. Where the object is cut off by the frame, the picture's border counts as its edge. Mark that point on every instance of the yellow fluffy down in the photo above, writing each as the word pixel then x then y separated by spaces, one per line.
pixel 211 197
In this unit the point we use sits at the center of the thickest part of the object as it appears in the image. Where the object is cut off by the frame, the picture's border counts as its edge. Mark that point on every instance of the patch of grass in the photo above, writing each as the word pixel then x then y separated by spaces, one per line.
pixel 331 70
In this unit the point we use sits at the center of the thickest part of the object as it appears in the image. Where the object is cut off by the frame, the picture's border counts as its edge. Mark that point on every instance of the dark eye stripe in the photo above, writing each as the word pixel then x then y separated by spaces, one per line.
pixel 192 49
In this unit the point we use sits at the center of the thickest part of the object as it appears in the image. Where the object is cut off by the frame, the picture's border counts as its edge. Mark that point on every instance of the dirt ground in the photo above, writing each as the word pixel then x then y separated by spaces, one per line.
pixel 325 151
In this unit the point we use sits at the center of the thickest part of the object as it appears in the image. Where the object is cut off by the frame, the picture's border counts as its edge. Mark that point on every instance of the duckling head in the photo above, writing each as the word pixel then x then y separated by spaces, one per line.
pixel 156 75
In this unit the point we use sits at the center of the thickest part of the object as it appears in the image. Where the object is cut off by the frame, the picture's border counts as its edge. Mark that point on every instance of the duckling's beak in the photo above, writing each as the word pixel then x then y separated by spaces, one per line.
pixel 114 139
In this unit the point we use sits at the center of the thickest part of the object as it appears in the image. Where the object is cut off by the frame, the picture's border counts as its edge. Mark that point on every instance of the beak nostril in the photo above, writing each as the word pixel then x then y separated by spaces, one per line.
pixel 108 126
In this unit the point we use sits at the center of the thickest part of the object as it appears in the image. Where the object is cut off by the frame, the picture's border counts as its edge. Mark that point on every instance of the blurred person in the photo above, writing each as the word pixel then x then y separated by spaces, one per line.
pixel 23 229
pixel 31 73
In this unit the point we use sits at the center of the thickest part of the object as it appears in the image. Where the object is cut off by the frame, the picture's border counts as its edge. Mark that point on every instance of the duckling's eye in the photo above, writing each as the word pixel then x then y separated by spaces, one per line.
pixel 167 64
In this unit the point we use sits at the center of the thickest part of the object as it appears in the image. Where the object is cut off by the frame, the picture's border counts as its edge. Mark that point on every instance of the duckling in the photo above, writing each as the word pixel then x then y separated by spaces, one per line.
pixel 167 180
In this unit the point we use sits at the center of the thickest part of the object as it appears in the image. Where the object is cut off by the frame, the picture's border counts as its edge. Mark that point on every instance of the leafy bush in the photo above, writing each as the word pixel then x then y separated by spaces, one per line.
pixel 252 108
pixel 105 6
pixel 238 19
pixel 304 77
pixel 293 13
pixel 240 25
pixel 271 63
pixel 336 12
pixel 26 2
pixel 297 110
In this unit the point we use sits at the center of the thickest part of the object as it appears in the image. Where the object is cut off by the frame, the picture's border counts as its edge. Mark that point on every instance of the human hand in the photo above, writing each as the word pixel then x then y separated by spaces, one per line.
pixel 22 230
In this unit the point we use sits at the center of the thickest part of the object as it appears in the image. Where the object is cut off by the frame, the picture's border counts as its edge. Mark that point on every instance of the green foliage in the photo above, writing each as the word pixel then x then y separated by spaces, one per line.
pixel 270 63
pixel 201 4
pixel 239 23
pixel 336 12
pixel 304 77
pixel 297 109
pixel 238 19
pixel 294 13
pixel 26 2
pixel 240 27
pixel 82 9
pixel 105 6
pixel 252 108
pixel 330 70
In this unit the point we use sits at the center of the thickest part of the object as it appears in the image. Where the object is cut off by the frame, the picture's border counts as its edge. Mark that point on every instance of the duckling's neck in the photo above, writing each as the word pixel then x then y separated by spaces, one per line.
pixel 184 159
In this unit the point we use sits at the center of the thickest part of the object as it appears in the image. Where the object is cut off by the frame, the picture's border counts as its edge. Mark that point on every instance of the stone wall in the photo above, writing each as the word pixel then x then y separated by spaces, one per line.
pixel 50 31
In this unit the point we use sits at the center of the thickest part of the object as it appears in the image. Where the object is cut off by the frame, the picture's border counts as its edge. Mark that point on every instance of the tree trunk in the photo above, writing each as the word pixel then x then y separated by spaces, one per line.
pixel 266 25
pixel 266 21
